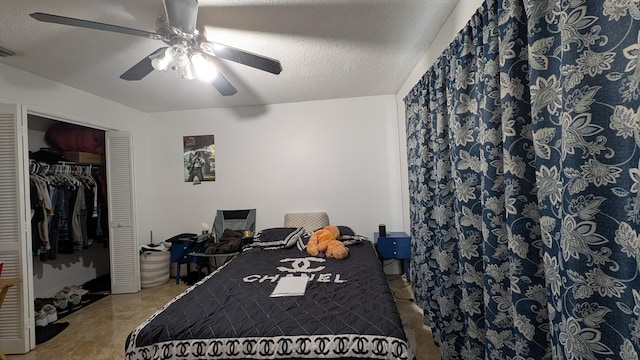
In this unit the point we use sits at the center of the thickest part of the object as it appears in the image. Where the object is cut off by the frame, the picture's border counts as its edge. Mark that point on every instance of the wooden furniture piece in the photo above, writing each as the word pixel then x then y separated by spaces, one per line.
pixel 5 284
pixel 396 245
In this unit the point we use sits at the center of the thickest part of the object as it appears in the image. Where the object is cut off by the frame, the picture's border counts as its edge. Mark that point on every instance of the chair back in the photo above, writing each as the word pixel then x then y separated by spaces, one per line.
pixel 235 220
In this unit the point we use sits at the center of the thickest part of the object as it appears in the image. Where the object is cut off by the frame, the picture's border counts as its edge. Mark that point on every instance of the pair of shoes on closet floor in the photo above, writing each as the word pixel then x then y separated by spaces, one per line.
pixel 38 303
pixel 70 296
pixel 62 305
pixel 47 315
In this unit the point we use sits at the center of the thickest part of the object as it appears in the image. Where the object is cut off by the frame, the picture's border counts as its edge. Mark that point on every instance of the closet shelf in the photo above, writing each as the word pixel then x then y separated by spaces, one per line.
pixel 83 157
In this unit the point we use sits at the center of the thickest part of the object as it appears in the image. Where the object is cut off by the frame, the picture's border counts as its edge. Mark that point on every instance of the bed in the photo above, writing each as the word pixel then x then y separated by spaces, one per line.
pixel 347 310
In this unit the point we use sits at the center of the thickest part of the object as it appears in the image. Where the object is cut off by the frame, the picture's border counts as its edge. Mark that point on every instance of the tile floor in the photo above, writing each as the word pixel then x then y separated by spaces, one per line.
pixel 413 320
pixel 99 331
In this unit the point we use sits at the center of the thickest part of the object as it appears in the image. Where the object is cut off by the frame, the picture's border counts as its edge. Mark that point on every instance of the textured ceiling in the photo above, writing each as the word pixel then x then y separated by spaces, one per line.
pixel 328 48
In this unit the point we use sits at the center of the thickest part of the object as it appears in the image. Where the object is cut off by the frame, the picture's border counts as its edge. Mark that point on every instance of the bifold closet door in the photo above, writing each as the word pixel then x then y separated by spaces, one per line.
pixel 17 333
pixel 123 243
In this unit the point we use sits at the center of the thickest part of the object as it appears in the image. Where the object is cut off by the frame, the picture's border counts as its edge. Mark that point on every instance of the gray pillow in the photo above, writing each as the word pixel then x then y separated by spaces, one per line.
pixel 281 237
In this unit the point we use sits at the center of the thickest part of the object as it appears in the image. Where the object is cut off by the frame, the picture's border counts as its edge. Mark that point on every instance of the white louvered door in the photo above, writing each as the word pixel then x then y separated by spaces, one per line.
pixel 17 332
pixel 123 244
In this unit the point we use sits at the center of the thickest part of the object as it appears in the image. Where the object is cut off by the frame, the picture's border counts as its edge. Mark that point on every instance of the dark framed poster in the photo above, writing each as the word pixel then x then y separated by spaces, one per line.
pixel 199 158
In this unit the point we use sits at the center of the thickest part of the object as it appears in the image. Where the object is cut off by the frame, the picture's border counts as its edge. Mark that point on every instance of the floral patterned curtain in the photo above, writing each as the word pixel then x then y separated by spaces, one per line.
pixel 524 174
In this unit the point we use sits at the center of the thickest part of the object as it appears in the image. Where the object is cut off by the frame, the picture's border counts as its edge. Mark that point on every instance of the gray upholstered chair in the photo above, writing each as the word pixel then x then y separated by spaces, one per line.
pixel 234 220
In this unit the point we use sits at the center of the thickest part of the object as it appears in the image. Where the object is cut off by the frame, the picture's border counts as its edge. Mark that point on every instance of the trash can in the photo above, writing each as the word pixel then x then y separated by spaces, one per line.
pixel 154 268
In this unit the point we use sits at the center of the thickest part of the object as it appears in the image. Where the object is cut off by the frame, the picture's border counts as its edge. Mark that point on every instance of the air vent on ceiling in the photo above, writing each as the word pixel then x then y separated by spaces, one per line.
pixel 6 52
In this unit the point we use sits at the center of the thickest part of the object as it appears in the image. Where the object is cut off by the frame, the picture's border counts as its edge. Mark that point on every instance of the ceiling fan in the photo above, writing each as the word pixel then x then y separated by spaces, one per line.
pixel 187 52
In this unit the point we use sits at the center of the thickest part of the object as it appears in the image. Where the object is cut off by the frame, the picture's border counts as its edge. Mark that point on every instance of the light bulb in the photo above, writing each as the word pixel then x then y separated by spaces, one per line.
pixel 186 70
pixel 204 68
pixel 162 61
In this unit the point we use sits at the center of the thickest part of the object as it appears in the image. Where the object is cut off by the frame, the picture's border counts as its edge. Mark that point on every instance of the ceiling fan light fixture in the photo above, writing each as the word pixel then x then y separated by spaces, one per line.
pixel 162 60
pixel 204 68
pixel 185 70
pixel 187 51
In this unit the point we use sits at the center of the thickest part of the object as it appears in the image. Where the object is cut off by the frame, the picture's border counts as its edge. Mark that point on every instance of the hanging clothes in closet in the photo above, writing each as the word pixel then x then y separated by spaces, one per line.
pixel 67 202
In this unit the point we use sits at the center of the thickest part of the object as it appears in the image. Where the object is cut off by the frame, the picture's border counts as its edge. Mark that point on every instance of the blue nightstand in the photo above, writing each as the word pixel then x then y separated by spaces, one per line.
pixel 396 245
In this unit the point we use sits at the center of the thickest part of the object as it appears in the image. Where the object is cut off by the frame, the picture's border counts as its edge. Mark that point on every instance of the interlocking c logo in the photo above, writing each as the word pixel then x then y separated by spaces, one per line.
pixel 301 265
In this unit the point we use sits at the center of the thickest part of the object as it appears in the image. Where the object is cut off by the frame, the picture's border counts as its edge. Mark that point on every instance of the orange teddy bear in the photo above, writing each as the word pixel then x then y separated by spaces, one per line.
pixel 326 241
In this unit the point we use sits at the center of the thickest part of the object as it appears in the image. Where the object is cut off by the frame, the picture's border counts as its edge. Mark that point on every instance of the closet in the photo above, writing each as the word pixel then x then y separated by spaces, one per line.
pixel 120 258
pixel 74 249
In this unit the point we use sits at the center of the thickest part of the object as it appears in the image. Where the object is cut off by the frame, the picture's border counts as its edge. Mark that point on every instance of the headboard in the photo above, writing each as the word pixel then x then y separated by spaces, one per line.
pixel 310 221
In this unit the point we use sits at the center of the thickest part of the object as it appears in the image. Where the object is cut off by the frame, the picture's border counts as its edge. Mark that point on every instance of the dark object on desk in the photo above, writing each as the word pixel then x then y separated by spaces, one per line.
pixel 181 238
pixel 229 242
pixel 246 240
pixel 382 228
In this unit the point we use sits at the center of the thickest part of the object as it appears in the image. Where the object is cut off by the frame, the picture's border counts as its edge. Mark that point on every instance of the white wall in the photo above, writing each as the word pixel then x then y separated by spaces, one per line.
pixel 338 156
pixel 458 18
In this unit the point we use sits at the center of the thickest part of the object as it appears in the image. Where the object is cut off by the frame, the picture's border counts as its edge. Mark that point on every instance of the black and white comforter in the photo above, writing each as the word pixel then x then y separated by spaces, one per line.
pixel 348 311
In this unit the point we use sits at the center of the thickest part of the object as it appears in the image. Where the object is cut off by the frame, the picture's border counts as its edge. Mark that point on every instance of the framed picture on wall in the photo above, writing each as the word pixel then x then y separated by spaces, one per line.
pixel 199 158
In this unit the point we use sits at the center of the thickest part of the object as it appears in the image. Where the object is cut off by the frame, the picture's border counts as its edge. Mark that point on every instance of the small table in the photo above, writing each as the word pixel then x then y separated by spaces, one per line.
pixel 396 245
pixel 207 259
pixel 5 284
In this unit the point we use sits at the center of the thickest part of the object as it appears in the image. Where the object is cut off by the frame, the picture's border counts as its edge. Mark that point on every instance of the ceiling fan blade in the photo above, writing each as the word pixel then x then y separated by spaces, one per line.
pixel 141 69
pixel 56 19
pixel 4 52
pixel 242 57
pixel 182 14
pixel 224 86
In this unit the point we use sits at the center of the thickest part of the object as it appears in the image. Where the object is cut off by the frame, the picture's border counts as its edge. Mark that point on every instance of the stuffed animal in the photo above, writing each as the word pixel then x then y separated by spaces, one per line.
pixel 325 241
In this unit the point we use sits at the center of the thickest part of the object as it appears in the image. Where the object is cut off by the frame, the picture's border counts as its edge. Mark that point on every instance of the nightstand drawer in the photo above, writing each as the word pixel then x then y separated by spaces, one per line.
pixel 403 252
pixel 394 246
pixel 394 250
